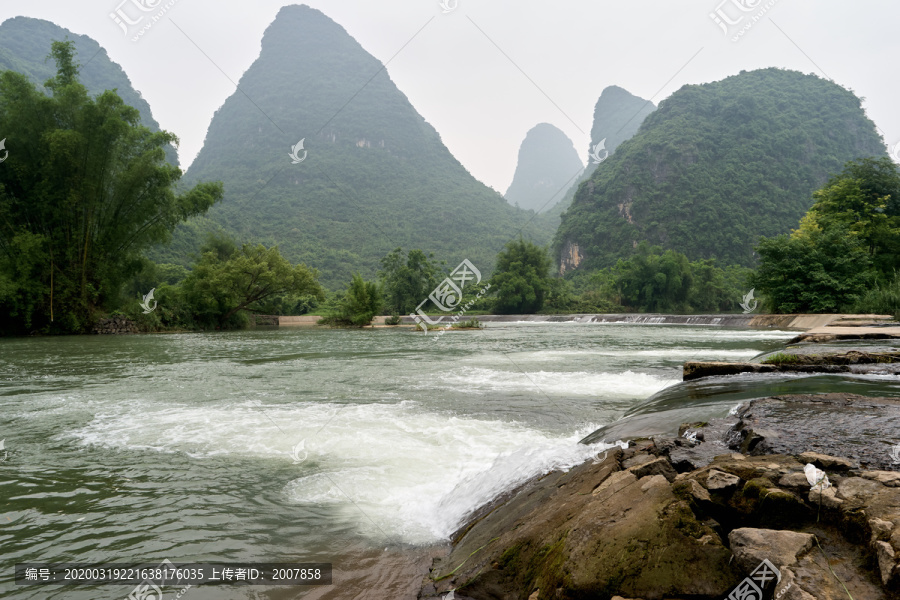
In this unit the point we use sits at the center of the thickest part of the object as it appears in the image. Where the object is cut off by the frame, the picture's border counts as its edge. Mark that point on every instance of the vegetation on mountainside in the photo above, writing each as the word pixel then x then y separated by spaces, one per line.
pixel 716 166
pixel 375 175
pixel 618 115
pixel 84 191
pixel 24 42
pixel 846 252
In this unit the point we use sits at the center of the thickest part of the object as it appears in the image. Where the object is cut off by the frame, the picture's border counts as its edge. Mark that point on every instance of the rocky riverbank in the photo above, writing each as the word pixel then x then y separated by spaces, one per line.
pixel 692 517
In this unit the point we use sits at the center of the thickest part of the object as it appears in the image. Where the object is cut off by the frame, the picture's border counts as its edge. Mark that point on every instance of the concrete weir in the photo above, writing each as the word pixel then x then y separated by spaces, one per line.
pixel 751 321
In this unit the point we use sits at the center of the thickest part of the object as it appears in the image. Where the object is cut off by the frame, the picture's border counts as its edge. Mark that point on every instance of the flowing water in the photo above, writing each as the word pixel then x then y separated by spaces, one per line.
pixel 362 448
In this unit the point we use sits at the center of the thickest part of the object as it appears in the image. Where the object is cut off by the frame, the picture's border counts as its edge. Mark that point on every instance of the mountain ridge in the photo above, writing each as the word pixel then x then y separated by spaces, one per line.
pixel 25 44
pixel 547 160
pixel 716 166
pixel 376 174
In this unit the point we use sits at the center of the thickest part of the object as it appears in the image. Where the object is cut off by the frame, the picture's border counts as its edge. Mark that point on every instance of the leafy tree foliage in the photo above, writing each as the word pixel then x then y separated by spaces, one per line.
pixel 848 242
pixel 718 165
pixel 359 304
pixel 407 280
pixel 881 300
pixel 822 271
pixel 23 48
pixel 224 283
pixel 653 282
pixel 521 280
pixel 657 280
pixel 84 191
pixel 865 200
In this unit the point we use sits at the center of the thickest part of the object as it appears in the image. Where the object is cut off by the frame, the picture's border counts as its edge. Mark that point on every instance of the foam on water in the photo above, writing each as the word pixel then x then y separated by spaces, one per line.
pixel 575 355
pixel 580 383
pixel 400 472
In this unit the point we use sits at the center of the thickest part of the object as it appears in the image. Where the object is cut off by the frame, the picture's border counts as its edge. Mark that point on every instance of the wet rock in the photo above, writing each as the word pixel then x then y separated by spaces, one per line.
pixel 781 548
pixel 825 462
pixel 783 425
pixel 881 530
pixel 888 478
pixel 857 489
pixel 827 497
pixel 651 481
pixel 887 562
pixel 697 491
pixel 631 537
pixel 659 466
pixel 794 480
pixel 598 531
pixel 717 481
pixel 616 482
pixel 637 460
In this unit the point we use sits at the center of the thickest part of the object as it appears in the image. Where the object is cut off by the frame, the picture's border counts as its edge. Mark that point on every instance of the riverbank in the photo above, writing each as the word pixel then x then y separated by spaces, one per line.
pixel 693 516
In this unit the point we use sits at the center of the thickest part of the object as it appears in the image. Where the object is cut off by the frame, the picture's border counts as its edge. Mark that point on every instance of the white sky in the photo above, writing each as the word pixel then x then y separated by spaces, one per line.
pixel 561 56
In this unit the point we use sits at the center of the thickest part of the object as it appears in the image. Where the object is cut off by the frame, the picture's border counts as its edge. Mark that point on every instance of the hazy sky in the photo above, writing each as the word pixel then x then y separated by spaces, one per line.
pixel 487 71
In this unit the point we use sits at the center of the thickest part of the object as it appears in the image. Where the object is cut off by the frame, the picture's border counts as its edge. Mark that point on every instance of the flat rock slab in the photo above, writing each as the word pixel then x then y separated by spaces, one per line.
pixel 697 369
pixel 862 429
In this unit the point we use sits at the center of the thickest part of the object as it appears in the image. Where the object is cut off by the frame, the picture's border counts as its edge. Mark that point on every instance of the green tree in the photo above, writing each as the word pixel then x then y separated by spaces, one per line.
pixel 653 280
pixel 248 279
pixel 84 191
pixel 408 280
pixel 820 271
pixel 358 306
pixel 521 280
pixel 864 199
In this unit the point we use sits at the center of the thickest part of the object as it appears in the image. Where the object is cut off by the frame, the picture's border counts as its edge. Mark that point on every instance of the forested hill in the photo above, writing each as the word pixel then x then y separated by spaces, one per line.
pixel 25 45
pixel 715 167
pixel 375 175
pixel 617 116
pixel 547 162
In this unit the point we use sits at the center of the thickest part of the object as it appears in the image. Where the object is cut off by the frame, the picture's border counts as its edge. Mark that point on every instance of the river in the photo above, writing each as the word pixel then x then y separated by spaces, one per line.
pixel 363 448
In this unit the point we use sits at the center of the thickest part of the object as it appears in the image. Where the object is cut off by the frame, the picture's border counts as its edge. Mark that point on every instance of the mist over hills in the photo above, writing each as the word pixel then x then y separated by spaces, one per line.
pixel 618 115
pixel 716 166
pixel 374 174
pixel 25 45
pixel 547 162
